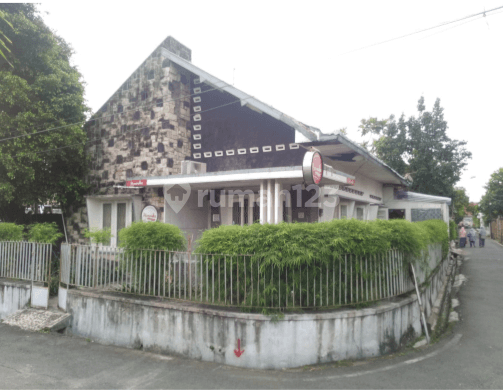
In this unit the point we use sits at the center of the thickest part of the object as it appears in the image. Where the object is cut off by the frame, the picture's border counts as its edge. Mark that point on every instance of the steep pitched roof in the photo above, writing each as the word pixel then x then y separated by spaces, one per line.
pixel 311 133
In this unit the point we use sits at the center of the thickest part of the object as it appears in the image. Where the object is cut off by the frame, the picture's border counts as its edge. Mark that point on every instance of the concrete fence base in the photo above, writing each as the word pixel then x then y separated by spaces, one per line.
pixel 249 340
pixel 14 296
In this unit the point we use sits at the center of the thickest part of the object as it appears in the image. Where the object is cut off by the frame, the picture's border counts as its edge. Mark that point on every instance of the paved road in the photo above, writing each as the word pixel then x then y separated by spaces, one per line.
pixel 472 357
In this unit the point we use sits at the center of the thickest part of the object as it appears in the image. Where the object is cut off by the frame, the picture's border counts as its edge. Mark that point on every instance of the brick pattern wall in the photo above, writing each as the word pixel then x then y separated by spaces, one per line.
pixel 144 129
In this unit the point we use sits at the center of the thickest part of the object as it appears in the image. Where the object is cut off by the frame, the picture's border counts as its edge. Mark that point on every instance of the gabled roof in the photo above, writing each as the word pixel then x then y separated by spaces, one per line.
pixel 312 133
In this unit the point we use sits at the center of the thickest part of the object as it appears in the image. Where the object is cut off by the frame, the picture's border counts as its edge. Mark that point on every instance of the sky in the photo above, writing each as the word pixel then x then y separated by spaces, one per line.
pixel 302 58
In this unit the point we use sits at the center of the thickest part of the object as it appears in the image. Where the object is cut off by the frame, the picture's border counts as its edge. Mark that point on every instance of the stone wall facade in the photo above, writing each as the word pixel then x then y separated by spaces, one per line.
pixel 143 130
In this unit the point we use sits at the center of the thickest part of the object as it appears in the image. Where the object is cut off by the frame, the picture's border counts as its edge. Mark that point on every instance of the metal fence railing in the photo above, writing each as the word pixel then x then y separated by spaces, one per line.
pixel 238 280
pixel 25 260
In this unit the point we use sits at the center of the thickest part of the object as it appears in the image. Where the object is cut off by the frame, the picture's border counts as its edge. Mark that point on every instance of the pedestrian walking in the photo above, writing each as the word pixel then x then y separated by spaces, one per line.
pixel 462 237
pixel 482 237
pixel 472 235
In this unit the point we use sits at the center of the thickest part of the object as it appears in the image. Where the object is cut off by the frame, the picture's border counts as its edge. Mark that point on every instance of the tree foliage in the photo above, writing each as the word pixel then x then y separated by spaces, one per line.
pixel 41 91
pixel 460 202
pixel 4 39
pixel 11 232
pixel 44 232
pixel 491 204
pixel 420 146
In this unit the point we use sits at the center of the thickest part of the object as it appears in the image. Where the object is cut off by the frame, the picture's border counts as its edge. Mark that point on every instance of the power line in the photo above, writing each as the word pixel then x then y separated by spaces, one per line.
pixel 24 154
pixel 153 104
pixel 484 13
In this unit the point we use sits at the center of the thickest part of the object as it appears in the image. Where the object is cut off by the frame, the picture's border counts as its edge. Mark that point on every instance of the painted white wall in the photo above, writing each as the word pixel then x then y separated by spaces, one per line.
pixel 408 205
pixel 211 335
pixel 191 218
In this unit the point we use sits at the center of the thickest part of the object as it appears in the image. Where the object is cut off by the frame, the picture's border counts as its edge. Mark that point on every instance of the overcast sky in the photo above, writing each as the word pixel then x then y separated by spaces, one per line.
pixel 293 56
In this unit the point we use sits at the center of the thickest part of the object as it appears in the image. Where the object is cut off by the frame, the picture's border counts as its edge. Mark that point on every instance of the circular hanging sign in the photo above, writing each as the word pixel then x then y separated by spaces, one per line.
pixel 149 214
pixel 312 168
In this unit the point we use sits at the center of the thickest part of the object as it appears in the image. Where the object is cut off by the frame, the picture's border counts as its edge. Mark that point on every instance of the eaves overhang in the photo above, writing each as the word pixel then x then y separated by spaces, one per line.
pixel 337 139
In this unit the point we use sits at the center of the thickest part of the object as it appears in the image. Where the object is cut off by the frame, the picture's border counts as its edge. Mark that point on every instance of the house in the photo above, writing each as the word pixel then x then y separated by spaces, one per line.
pixel 202 153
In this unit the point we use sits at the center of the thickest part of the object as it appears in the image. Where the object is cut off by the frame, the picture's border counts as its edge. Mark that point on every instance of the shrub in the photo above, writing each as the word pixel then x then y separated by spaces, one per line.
pixel 152 235
pixel 44 233
pixel 11 232
pixel 99 236
pixel 453 230
pixel 312 256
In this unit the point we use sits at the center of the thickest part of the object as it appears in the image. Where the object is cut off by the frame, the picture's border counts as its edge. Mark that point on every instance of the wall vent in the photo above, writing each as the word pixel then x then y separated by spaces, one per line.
pixel 191 167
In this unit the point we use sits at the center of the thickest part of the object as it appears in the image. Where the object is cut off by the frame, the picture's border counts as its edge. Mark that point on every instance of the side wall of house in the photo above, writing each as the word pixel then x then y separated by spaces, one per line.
pixel 144 129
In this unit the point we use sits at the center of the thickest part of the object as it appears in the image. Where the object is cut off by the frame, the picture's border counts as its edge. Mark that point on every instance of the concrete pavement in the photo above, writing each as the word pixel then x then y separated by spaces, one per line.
pixel 471 357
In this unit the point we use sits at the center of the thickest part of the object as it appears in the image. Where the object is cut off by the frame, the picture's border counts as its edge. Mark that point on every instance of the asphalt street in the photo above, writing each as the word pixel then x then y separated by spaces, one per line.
pixel 471 356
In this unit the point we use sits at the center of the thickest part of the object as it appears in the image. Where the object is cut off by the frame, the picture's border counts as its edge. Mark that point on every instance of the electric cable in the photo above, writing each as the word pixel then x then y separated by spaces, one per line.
pixel 484 13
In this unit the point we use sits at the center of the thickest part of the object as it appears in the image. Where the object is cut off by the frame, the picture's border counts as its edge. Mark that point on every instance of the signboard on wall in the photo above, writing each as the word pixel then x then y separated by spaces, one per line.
pixel 136 183
pixel 312 168
pixel 149 214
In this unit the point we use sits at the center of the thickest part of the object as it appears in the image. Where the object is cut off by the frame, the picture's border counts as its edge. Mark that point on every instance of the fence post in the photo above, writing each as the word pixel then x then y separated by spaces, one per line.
pixel 50 263
pixel 95 273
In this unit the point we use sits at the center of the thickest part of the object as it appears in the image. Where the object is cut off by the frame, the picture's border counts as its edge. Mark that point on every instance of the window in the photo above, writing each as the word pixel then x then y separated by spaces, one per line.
pixel 344 211
pixel 120 108
pixel 159 103
pixel 359 213
pixel 144 95
pixel 151 75
pixel 111 214
pixel 396 214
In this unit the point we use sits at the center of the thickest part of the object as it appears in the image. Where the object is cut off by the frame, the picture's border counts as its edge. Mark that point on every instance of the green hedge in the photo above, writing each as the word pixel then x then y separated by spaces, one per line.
pixel 453 231
pixel 47 233
pixel 307 259
pixel 152 235
pixel 11 232
pixel 298 243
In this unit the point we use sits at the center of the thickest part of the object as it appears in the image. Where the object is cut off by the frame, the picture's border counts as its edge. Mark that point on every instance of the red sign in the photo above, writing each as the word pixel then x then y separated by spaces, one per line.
pixel 351 181
pixel 136 183
pixel 317 168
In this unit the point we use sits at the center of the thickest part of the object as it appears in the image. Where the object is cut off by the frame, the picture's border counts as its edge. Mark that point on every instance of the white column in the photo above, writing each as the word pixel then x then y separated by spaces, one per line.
pixel 263 214
pixel 270 215
pixel 242 208
pixel 351 209
pixel 278 202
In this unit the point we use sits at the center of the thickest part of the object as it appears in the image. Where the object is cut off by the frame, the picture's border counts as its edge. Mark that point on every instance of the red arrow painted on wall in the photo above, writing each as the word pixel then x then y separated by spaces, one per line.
pixel 239 351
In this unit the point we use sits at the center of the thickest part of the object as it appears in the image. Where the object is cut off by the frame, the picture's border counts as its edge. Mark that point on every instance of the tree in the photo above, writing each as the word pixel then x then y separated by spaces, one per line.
pixel 3 38
pixel 491 204
pixel 42 91
pixel 420 147
pixel 460 202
